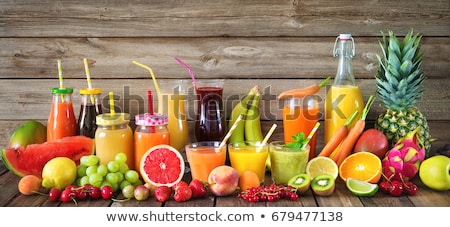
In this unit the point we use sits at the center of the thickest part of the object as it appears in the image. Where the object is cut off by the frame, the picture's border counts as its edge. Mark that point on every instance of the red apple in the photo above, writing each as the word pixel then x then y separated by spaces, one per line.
pixel 374 141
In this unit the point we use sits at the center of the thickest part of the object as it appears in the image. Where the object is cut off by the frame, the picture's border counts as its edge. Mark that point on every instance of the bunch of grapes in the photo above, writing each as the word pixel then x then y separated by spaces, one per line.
pixel 269 193
pixel 115 173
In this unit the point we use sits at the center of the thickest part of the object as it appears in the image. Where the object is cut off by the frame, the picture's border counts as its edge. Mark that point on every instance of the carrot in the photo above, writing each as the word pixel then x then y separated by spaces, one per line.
pixel 302 92
pixel 349 142
pixel 337 138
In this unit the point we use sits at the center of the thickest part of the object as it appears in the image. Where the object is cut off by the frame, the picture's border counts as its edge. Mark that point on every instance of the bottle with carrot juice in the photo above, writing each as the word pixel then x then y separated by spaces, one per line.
pixel 344 96
pixel 61 121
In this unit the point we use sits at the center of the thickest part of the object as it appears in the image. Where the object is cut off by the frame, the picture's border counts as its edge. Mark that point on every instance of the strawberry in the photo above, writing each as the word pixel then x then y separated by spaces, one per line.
pixel 162 193
pixel 198 188
pixel 182 192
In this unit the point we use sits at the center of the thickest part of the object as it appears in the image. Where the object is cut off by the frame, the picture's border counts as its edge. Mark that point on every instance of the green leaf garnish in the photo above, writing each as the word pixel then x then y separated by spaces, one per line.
pixel 299 141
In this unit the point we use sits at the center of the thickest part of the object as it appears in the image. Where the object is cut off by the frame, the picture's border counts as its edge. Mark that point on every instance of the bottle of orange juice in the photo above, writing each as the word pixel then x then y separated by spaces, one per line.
pixel 344 96
pixel 61 121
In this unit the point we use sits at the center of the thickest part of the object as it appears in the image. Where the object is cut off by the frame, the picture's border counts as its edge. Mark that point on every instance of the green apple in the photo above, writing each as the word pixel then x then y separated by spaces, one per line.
pixel 434 172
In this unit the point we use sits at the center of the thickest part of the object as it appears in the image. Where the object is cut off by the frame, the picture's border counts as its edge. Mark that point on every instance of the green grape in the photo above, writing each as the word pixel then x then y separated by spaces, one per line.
pixel 124 183
pixel 115 186
pixel 89 160
pixel 105 183
pixel 113 166
pixel 91 170
pixel 84 180
pixel 121 157
pixel 132 176
pixel 123 167
pixel 119 176
pixel 137 183
pixel 112 178
pixel 95 179
pixel 102 170
pixel 81 170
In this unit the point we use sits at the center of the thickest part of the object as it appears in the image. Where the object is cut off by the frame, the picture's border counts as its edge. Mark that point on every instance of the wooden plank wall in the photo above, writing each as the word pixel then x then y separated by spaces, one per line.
pixel 278 45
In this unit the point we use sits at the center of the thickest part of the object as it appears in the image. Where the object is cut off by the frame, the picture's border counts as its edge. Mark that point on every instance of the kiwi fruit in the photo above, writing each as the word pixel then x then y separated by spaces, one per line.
pixel 301 182
pixel 323 184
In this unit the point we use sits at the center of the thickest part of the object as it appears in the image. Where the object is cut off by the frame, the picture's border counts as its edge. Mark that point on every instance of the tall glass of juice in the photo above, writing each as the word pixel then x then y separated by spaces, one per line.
pixel 286 162
pixel 210 124
pixel 113 136
pixel 61 121
pixel 203 157
pixel 151 130
pixel 301 115
pixel 249 155
pixel 171 102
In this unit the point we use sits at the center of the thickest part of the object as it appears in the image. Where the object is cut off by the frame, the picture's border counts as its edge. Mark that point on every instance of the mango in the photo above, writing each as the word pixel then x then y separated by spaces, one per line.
pixel 30 132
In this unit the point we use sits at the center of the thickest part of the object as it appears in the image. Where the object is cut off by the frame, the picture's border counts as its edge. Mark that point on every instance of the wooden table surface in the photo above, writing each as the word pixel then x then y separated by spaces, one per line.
pixel 342 197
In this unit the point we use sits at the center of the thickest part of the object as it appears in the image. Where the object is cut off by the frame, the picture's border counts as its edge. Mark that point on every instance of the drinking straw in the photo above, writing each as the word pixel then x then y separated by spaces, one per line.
pixel 311 134
pixel 151 73
pixel 88 77
pixel 227 136
pixel 190 71
pixel 266 138
pixel 61 84
pixel 150 102
pixel 111 103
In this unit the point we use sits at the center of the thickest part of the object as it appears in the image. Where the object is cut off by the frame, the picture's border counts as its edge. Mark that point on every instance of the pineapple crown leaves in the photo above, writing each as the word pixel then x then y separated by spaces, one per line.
pixel 400 77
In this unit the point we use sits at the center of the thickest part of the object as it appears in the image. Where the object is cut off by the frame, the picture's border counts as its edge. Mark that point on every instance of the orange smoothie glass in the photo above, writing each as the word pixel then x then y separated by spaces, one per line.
pixel 113 136
pixel 203 157
pixel 171 102
pixel 249 155
pixel 301 115
pixel 61 120
pixel 151 130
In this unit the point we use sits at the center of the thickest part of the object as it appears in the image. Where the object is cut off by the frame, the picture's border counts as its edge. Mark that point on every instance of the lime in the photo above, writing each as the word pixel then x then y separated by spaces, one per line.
pixel 361 188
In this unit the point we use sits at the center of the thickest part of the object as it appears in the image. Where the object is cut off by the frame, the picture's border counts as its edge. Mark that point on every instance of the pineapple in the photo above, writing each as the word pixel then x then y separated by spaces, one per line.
pixel 399 86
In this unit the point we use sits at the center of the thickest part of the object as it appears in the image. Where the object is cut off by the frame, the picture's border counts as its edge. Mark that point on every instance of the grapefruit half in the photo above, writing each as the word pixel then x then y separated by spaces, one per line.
pixel 162 165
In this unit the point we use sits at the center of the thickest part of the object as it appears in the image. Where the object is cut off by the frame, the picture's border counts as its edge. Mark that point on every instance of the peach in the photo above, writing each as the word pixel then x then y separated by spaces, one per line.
pixel 223 180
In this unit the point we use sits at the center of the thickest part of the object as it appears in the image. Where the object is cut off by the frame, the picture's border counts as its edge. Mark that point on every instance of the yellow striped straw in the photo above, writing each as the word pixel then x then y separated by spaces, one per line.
pixel 111 103
pixel 88 77
pixel 61 84
pixel 227 136
pixel 267 137
pixel 152 74
pixel 311 134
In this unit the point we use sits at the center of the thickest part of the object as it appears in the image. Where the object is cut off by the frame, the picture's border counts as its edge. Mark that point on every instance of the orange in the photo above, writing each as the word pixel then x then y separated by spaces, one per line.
pixel 363 166
pixel 248 179
pixel 162 165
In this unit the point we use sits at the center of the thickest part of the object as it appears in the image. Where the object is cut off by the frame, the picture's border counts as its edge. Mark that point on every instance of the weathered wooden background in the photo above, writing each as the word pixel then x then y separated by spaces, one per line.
pixel 278 45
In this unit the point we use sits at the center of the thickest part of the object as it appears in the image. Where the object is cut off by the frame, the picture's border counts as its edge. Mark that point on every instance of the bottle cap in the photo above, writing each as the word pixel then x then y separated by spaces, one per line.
pixel 345 36
pixel 151 120
pixel 66 90
pixel 92 91
pixel 109 119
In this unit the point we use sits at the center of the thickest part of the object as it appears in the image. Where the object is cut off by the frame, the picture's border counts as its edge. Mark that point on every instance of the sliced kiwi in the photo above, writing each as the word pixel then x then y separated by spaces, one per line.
pixel 323 185
pixel 301 182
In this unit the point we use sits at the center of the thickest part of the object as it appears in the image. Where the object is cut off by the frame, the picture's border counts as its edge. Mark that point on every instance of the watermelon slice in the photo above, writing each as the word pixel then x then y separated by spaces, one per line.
pixel 30 160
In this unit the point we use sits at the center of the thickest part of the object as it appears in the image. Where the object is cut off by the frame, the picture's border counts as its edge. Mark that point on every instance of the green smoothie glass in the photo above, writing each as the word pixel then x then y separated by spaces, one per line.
pixel 287 162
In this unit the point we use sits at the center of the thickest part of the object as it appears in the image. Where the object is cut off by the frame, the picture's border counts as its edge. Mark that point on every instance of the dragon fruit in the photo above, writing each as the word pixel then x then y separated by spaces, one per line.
pixel 402 161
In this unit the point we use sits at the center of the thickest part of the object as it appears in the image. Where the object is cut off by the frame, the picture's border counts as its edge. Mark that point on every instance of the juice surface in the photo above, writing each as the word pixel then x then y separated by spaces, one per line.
pixel 109 142
pixel 210 123
pixel 61 121
pixel 173 106
pixel 300 119
pixel 243 159
pixel 341 102
pixel 286 163
pixel 203 160
pixel 143 141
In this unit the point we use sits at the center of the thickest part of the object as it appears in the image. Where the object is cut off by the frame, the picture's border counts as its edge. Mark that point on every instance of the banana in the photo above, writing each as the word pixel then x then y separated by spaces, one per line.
pixel 241 109
pixel 252 123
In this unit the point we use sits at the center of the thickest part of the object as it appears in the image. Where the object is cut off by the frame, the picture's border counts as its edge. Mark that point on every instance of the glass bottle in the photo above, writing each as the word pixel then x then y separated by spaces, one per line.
pixel 151 130
pixel 89 109
pixel 113 136
pixel 61 121
pixel 344 96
